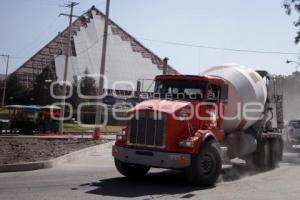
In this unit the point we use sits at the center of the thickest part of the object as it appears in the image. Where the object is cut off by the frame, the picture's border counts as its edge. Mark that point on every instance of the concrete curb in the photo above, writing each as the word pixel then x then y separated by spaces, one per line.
pixel 30 166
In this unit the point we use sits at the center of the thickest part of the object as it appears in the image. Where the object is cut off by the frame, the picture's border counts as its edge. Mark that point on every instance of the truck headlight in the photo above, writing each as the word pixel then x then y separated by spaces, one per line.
pixel 186 143
pixel 121 137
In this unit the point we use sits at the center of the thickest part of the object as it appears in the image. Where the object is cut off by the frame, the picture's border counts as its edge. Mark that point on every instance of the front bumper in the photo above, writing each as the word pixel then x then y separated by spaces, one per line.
pixel 152 158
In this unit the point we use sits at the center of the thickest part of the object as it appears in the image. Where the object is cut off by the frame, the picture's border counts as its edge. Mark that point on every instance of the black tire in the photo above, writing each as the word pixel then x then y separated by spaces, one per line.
pixel 276 153
pixel 205 166
pixel 131 170
pixel 261 159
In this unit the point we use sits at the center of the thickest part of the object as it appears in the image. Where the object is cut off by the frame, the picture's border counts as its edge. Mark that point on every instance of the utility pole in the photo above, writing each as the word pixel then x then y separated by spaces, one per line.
pixel 5 79
pixel 61 121
pixel 100 92
pixel 165 67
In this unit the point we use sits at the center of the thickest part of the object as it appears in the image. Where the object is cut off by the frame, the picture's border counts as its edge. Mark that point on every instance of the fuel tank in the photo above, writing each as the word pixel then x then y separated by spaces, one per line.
pixel 246 90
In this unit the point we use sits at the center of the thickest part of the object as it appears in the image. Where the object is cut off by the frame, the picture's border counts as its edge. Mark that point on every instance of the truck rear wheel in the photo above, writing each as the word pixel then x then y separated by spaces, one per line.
pixel 131 170
pixel 276 152
pixel 205 166
pixel 261 159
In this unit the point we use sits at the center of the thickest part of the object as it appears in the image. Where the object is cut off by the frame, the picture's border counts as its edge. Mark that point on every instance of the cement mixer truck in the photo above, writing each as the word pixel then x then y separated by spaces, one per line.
pixel 197 123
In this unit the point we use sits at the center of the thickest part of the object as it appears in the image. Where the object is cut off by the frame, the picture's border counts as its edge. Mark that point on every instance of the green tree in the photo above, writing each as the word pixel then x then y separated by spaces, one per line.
pixel 41 86
pixel 88 84
pixel 74 100
pixel 15 91
pixel 293 5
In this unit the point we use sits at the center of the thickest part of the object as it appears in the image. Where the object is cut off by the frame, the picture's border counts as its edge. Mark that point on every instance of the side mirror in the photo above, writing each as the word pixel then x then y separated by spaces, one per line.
pixel 224 94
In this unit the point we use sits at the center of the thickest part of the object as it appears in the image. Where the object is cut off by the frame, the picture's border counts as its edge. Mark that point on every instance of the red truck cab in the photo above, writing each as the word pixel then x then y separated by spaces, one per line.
pixel 173 129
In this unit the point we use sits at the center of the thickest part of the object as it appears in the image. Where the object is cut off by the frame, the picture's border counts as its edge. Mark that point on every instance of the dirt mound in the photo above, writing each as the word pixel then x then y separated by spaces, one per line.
pixel 19 150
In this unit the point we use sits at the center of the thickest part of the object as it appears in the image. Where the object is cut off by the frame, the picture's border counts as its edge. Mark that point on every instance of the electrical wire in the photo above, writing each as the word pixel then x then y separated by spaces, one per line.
pixel 217 48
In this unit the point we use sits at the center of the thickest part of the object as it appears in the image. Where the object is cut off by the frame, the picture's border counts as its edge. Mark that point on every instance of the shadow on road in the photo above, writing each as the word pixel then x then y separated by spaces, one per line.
pixel 162 183
pixel 168 182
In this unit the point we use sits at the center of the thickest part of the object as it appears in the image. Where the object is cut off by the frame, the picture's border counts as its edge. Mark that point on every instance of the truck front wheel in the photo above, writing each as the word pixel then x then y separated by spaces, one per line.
pixel 131 170
pixel 205 166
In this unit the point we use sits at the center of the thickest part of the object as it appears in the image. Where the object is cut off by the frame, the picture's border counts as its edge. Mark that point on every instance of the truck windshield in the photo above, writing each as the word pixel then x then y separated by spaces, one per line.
pixel 179 89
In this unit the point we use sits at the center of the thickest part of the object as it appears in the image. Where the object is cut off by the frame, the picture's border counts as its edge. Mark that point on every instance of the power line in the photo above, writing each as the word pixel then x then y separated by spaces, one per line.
pixel 181 44
pixel 217 48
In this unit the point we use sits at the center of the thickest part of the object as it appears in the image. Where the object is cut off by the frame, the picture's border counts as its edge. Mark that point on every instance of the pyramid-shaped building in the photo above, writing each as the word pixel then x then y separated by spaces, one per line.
pixel 127 59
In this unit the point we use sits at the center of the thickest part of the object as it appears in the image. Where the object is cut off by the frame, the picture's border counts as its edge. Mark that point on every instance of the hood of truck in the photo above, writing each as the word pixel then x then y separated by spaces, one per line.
pixel 165 106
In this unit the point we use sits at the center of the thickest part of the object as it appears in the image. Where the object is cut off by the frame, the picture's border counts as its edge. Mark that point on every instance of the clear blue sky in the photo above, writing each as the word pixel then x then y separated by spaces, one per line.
pixel 27 25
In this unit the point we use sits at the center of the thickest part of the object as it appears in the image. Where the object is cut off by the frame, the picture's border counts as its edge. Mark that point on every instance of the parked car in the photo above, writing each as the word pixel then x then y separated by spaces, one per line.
pixel 291 134
pixel 22 118
pixel 30 119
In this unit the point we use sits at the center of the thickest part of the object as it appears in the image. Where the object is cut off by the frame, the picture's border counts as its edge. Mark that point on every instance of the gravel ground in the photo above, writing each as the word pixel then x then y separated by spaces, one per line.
pixel 20 150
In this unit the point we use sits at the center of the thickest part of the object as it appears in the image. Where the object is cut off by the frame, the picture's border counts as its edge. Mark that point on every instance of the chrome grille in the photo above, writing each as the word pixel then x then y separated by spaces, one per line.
pixel 147 129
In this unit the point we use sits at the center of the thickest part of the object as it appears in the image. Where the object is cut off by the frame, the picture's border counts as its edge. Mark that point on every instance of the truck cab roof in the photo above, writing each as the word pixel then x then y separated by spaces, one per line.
pixel 214 79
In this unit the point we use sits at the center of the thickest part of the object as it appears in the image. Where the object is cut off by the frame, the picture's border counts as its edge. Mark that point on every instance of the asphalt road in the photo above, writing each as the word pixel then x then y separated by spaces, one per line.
pixel 94 177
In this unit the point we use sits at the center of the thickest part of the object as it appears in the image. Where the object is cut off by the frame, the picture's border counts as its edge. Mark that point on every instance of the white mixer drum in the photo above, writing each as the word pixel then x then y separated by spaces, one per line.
pixel 245 86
